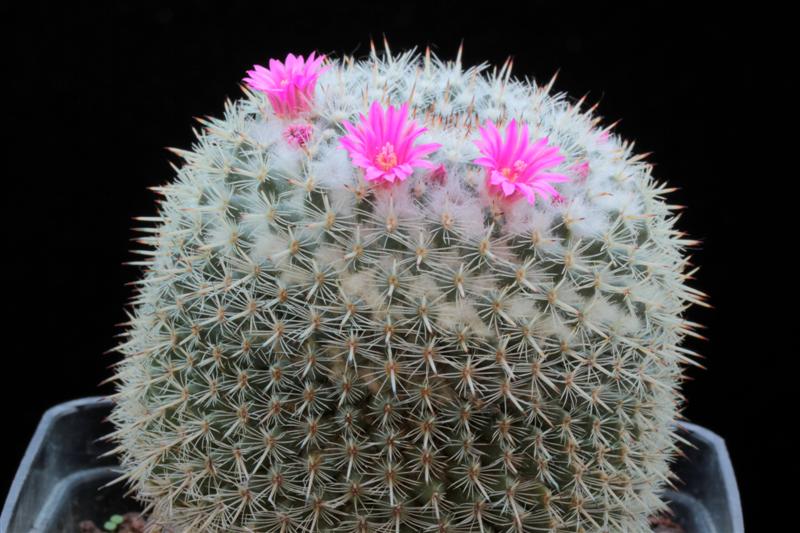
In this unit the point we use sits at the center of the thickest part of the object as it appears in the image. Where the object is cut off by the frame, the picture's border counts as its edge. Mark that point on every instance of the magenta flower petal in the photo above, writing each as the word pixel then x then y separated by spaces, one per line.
pixel 382 143
pixel 515 166
pixel 290 85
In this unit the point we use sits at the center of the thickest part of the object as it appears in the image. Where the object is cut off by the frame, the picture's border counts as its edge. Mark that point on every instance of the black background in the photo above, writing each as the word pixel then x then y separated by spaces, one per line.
pixel 97 92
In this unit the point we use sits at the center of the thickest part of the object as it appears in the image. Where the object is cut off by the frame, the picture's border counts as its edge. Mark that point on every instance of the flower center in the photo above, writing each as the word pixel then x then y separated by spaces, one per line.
pixel 386 159
pixel 513 172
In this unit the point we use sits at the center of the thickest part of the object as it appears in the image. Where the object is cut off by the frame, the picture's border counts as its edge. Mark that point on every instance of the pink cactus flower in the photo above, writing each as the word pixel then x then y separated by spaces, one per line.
pixel 289 85
pixel 438 175
pixel 298 134
pixel 580 169
pixel 515 166
pixel 382 143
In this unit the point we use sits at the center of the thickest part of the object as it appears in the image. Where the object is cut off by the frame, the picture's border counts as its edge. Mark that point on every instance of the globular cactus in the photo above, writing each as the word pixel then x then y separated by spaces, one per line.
pixel 394 294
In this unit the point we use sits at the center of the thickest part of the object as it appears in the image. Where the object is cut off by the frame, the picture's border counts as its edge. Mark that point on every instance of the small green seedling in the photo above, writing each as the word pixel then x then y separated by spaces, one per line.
pixel 112 523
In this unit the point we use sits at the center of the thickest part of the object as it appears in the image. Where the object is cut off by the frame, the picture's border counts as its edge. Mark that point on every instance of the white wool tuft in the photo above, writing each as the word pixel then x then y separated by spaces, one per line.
pixel 332 168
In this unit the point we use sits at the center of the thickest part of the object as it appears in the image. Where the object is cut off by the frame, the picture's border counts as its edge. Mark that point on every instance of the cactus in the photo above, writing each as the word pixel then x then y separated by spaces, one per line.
pixel 477 327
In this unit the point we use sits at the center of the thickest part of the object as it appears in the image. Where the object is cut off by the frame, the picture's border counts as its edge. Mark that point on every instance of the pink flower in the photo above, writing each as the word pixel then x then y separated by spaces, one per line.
pixel 383 144
pixel 580 169
pixel 515 166
pixel 298 134
pixel 290 85
pixel 439 175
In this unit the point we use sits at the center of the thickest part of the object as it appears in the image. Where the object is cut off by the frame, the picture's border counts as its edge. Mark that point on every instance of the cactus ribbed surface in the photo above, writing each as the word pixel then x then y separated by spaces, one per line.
pixel 311 351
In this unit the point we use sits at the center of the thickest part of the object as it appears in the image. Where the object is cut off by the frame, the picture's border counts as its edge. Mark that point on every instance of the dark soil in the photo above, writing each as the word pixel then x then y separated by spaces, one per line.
pixel 663 524
pixel 133 523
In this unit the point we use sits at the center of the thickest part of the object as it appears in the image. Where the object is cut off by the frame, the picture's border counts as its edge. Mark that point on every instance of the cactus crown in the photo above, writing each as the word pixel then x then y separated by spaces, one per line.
pixel 312 350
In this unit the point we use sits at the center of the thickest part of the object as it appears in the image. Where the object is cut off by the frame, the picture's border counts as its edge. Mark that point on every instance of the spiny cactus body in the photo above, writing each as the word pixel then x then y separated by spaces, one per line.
pixel 312 350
